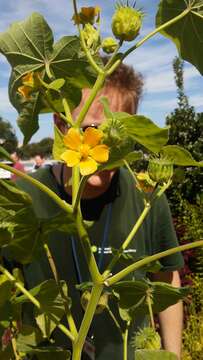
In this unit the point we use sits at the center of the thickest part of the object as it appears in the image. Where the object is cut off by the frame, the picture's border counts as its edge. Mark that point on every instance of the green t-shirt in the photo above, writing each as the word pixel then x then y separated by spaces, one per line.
pixel 156 234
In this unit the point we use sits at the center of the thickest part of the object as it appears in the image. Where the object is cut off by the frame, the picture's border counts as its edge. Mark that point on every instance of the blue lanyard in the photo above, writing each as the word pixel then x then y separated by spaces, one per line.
pixel 103 245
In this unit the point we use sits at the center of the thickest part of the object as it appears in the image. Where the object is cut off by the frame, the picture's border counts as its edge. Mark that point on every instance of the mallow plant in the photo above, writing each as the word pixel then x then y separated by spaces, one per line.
pixel 48 76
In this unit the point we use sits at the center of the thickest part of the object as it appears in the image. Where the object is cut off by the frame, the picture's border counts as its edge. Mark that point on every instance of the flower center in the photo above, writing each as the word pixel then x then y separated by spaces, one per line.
pixel 84 151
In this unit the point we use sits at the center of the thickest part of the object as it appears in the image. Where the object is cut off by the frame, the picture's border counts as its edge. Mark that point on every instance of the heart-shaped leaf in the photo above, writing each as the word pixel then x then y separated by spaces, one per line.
pixel 187 32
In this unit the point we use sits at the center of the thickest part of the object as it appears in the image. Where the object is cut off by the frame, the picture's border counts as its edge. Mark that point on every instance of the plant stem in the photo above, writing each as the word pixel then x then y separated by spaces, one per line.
pixel 70 319
pixel 114 320
pixel 14 346
pixel 132 174
pixel 138 264
pixel 34 301
pixel 79 193
pixel 86 322
pixel 84 47
pixel 97 86
pixel 67 111
pixel 128 239
pixel 75 184
pixel 125 341
pixel 86 245
pixel 149 304
pixel 62 204
pixel 155 31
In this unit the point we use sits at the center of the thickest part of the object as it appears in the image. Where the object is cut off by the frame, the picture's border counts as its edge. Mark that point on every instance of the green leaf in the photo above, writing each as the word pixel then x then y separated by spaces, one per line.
pixel 62 221
pixel 4 154
pixel 58 146
pixel 144 131
pixel 186 33
pixel 56 84
pixel 29 46
pixel 5 289
pixel 11 197
pixel 132 295
pixel 28 338
pixel 52 304
pixel 180 156
pixel 154 355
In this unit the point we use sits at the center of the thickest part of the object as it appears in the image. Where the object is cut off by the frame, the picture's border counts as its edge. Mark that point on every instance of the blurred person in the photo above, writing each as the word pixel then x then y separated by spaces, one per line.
pixel 17 164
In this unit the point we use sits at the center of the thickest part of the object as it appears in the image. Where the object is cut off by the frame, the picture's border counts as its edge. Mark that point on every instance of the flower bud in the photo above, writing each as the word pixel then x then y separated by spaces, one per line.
pixel 91 36
pixel 109 45
pixel 126 23
pixel 147 339
pixel 160 170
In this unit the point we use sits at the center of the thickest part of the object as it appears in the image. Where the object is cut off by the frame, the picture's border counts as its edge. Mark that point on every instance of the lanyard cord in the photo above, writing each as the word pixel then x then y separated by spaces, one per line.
pixel 103 245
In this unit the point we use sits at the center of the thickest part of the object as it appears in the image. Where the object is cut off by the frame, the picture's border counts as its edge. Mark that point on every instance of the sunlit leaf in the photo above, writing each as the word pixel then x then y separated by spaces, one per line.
pixel 186 33
pixel 11 197
pixel 29 46
pixel 180 156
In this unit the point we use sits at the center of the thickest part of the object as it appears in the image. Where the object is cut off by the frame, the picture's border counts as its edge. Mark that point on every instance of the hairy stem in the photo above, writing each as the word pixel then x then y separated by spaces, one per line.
pixel 80 191
pixel 137 265
pixel 62 204
pixel 86 322
pixel 14 347
pixel 34 301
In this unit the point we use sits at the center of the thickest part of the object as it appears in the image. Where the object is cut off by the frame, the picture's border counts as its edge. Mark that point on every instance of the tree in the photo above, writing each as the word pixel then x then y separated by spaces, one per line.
pixel 8 139
pixel 186 129
pixel 43 147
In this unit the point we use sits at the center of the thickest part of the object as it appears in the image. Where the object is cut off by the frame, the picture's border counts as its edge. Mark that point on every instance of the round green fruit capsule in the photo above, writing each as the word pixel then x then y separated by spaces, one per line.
pixel 126 23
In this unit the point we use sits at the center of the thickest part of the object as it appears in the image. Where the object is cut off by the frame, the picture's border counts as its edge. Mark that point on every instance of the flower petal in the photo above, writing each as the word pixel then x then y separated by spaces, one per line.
pixel 100 153
pixel 25 91
pixel 71 157
pixel 73 139
pixel 92 136
pixel 88 166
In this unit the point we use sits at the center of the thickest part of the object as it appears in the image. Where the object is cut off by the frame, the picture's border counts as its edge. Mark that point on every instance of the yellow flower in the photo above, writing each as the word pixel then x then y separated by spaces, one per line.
pixel 85 150
pixel 87 15
pixel 25 91
pixel 30 82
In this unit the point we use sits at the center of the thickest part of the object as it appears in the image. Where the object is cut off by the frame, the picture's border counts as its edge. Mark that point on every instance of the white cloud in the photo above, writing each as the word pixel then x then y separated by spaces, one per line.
pixel 5 105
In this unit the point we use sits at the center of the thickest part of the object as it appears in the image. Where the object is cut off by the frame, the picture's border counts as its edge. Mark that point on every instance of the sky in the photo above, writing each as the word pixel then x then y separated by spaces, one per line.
pixel 153 59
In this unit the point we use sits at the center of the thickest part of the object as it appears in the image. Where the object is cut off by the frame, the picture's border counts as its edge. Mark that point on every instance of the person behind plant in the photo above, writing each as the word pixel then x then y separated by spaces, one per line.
pixel 17 164
pixel 111 200
pixel 39 161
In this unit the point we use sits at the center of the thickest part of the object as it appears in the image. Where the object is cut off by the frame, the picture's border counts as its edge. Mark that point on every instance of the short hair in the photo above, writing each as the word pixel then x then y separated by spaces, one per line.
pixel 128 82
pixel 123 88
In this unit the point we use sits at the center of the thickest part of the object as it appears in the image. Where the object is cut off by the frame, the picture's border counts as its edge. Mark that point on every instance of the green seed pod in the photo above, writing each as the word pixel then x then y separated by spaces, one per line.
pixel 102 304
pixel 160 170
pixel 126 23
pixel 147 339
pixel 109 45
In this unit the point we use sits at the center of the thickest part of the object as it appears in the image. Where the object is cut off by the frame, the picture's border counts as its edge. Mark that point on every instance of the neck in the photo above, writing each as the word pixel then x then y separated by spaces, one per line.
pixel 96 185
